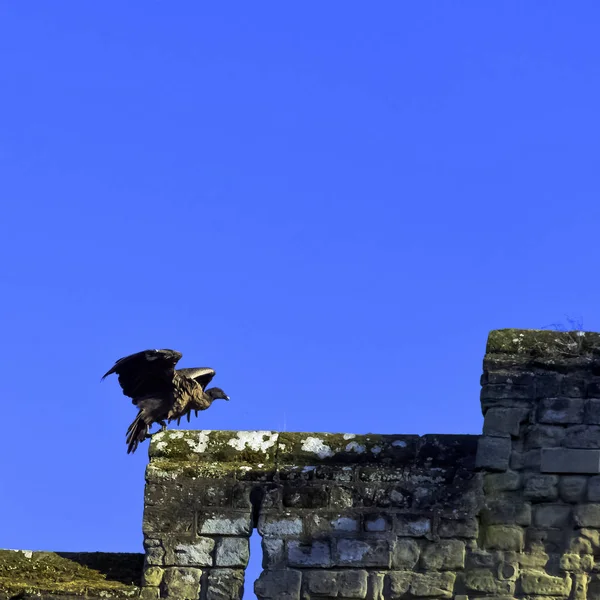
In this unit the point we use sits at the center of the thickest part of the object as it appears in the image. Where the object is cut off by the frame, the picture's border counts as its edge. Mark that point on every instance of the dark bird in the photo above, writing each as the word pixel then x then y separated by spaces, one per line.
pixel 161 392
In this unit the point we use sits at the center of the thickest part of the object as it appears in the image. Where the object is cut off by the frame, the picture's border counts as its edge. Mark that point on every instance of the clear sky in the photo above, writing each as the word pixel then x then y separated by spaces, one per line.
pixel 329 203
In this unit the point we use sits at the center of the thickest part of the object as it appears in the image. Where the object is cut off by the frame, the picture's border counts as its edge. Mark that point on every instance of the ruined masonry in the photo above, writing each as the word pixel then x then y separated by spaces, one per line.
pixel 513 513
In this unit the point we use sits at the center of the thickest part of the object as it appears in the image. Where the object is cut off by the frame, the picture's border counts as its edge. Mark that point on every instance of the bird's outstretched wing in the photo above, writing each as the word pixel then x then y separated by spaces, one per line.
pixel 146 373
pixel 201 375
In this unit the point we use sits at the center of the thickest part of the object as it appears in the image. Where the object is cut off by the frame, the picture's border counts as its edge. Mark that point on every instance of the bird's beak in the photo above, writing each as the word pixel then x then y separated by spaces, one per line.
pixel 227 398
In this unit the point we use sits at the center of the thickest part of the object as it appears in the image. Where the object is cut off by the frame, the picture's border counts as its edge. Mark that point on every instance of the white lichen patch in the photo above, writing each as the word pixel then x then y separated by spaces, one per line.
pixel 355 447
pixel 245 468
pixel 349 436
pixel 308 469
pixel 317 446
pixel 199 442
pixel 259 441
pixel 176 435
pixel 399 444
pixel 161 445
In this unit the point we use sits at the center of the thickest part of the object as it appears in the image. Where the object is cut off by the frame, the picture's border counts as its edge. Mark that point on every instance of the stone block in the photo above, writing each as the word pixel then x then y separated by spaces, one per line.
pixel 549 540
pixel 406 554
pixel 504 422
pixel 539 583
pixel 278 585
pixel 345 524
pixel 566 460
pixel 544 436
pixel 458 528
pixel 560 411
pixel 530 459
pixel 232 552
pixel 506 510
pixel 485 581
pixel 375 586
pixel 225 584
pixel 341 497
pixel 331 584
pixel 504 537
pixel 152 576
pixel 572 488
pixel 399 583
pixel 273 553
pixel 551 515
pixel 574 563
pixel 155 553
pixel 352 584
pixel 196 553
pixel 309 554
pixel 377 522
pixel 322 583
pixel 541 487
pixel 493 453
pixel 593 490
pixel 432 585
pixel 182 583
pixel 501 482
pixel 587 515
pixel 279 526
pixel 309 496
pixel 573 387
pixel 363 553
pixel 225 524
pixel 592 412
pixel 412 526
pixel 444 555
pixel 582 436
pixel 580 586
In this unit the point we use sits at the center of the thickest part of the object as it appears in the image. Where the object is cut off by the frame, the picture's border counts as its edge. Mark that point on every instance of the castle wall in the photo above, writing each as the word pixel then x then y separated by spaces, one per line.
pixel 512 513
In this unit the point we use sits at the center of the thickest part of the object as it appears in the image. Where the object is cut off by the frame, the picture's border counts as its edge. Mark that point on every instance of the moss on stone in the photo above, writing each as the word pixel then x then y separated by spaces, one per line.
pixel 111 575
pixel 537 342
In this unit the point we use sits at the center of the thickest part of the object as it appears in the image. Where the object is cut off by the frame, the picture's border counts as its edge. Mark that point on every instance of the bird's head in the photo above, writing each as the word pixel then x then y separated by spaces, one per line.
pixel 216 394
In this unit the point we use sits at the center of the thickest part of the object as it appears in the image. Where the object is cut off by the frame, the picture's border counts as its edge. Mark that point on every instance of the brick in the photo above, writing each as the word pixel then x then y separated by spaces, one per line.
pixel 432 585
pixel 486 581
pixel 352 584
pixel 504 537
pixel 232 552
pixel 399 584
pixel 273 554
pixel 501 482
pixel 539 583
pixel 277 526
pixel 560 411
pixel 504 422
pixel 572 488
pixel 182 583
pixel 322 583
pixel 412 526
pixel 225 584
pixel 197 553
pixel 309 554
pixel 551 515
pixel 541 487
pixel 493 453
pixel 406 554
pixel 443 555
pixel 567 460
pixel 363 553
pixel 278 585
pixel 224 524
pixel 587 515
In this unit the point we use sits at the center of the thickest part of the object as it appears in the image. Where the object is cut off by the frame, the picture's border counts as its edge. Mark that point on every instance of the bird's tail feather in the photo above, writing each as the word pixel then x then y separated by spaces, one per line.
pixel 136 433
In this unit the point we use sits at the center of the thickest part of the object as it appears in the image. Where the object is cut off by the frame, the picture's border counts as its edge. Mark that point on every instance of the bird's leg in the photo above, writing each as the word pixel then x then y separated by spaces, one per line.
pixel 163 426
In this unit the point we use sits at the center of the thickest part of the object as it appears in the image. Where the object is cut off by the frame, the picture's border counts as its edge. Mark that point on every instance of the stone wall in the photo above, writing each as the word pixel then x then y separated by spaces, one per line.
pixel 512 513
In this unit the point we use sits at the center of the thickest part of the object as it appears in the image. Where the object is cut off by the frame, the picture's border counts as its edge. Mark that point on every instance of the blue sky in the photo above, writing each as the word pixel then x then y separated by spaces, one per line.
pixel 329 203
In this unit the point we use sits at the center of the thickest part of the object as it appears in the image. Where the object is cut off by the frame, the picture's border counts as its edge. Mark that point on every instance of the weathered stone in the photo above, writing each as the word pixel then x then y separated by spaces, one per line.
pixel 322 583
pixel 486 581
pixel 541 487
pixel 508 570
pixel 587 515
pixel 506 510
pixel 341 498
pixel 277 526
pixel 278 585
pixel 155 553
pixel 305 497
pixel 182 583
pixel 412 525
pixel 363 553
pixel 378 523
pixel 444 555
pixel 493 453
pixel 531 459
pixel 272 552
pixel 433 585
pixel 399 583
pixel 574 563
pixel 309 554
pixel 406 554
pixel 376 585
pixel 551 515
pixel 582 436
pixel 503 537
pixel 548 540
pixel 580 586
pixel 534 558
pixel 544 436
pixel 152 576
pixel 224 524
pixel 232 552
pixel 225 584
pixel 501 482
pixel 561 411
pixel 352 584
pixel 538 583
pixel 571 488
pixel 593 491
pixel 459 528
pixel 346 524
pixel 504 422
pixel 592 412
pixel 580 545
pixel 193 554
pixel 563 460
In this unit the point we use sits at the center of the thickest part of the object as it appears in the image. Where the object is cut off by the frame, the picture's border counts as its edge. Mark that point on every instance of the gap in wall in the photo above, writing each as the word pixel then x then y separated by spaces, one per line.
pixel 254 568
